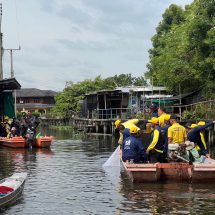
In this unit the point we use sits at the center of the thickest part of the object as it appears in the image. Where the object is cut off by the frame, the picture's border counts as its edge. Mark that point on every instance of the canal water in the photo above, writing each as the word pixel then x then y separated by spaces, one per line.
pixel 69 179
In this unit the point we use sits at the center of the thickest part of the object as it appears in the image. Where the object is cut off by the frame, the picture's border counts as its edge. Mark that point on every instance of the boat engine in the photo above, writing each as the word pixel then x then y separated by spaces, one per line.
pixel 178 152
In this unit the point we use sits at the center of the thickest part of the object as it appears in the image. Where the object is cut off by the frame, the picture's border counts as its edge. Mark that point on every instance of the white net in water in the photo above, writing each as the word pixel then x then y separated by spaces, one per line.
pixel 114 159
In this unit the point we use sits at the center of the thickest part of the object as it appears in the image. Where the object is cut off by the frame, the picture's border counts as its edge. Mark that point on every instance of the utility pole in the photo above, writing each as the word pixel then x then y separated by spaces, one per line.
pixel 12 73
pixel 11 59
pixel 1 48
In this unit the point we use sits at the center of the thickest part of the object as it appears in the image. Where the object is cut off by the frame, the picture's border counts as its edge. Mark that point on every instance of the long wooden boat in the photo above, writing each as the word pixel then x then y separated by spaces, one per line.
pixel 11 188
pixel 14 142
pixel 176 171
pixel 20 142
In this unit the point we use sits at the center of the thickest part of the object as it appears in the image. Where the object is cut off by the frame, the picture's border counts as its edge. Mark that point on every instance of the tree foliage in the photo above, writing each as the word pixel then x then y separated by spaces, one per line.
pixel 184 48
pixel 69 99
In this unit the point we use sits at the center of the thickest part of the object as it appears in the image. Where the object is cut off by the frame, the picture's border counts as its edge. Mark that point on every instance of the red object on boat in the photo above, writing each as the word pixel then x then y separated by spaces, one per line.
pixel 14 142
pixel 6 190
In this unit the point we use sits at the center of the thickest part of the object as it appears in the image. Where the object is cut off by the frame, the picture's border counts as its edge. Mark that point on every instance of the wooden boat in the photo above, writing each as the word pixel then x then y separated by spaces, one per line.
pixel 176 171
pixel 43 142
pixel 11 188
pixel 14 142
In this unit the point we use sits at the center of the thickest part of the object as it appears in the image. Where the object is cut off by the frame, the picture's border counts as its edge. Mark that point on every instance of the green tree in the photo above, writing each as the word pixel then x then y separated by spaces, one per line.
pixel 183 48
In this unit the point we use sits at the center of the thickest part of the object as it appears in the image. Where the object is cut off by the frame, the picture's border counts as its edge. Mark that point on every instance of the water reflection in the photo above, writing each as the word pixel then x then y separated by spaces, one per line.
pixel 68 179
pixel 18 160
pixel 166 198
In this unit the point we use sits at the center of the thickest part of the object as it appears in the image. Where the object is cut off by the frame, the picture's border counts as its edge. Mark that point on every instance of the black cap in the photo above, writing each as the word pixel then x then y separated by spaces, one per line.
pixel 173 117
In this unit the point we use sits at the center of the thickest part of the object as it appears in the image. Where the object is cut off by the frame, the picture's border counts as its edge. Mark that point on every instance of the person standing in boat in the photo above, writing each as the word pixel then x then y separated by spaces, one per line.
pixel 132 148
pixel 23 125
pixel 162 116
pixel 193 135
pixel 164 133
pixel 176 132
pixel 156 147
pixel 153 110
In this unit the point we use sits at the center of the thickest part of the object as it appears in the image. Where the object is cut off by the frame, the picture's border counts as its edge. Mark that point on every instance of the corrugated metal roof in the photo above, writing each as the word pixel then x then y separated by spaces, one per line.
pixel 140 89
pixel 9 84
pixel 34 105
pixel 34 92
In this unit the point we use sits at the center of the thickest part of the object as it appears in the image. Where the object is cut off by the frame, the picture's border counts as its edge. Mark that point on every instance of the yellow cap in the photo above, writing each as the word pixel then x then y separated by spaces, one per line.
pixel 134 130
pixel 167 117
pixel 6 117
pixel 154 120
pixel 117 122
pixel 201 123
pixel 193 125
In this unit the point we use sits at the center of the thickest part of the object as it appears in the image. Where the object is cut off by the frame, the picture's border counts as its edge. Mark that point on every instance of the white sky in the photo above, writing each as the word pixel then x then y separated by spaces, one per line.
pixel 72 40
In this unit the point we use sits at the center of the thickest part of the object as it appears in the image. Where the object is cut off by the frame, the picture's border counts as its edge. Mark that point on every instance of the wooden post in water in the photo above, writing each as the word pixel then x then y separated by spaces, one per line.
pixel 105 128
pixel 97 128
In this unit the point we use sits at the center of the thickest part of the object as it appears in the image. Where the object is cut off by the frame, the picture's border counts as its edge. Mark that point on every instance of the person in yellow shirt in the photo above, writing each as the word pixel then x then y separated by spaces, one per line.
pixel 163 117
pixel 176 132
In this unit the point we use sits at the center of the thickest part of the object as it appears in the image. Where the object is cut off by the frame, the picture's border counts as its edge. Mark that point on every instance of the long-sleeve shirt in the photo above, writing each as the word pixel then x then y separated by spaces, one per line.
pixel 194 136
pixel 133 149
pixel 158 140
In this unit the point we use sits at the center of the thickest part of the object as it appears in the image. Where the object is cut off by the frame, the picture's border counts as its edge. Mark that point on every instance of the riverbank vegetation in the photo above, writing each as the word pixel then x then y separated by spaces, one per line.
pixel 183 53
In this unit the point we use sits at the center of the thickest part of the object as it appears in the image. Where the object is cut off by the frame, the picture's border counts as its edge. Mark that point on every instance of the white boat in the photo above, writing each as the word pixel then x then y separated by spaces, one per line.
pixel 11 188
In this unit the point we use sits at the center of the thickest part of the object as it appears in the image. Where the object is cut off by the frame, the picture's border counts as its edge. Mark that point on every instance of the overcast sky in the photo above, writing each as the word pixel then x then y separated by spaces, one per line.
pixel 73 40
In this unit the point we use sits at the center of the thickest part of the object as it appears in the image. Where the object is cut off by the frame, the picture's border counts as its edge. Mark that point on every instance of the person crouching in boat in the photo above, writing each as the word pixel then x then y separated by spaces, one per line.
pixel 133 150
pixel 124 129
pixel 194 135
pixel 155 149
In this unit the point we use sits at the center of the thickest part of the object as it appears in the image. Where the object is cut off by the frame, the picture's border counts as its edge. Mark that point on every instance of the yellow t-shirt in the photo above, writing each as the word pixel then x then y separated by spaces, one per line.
pixel 177 132
pixel 131 123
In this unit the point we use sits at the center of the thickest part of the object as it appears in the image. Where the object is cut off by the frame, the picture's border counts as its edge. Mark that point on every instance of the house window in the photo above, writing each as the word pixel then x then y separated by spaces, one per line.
pixel 26 101
pixel 36 100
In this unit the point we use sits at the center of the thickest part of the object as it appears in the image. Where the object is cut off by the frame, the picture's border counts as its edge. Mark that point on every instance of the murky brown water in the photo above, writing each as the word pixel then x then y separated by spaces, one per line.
pixel 69 179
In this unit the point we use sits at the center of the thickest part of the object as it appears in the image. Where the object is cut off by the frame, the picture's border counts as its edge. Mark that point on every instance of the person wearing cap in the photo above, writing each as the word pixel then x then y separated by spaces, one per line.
pixel 156 147
pixel 123 134
pixel 132 148
pixel 12 133
pixel 164 132
pixel 153 110
pixel 201 123
pixel 193 135
pixel 123 128
pixel 176 132
pixel 7 125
